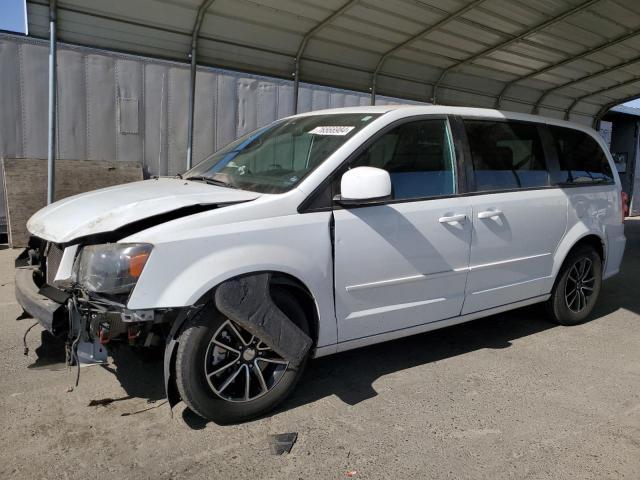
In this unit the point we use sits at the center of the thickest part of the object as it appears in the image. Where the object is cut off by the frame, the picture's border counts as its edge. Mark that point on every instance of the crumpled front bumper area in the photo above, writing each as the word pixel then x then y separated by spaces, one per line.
pixel 87 321
pixel 51 314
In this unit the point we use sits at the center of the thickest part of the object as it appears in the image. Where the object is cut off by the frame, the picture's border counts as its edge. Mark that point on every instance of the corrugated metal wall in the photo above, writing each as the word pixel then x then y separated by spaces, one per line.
pixel 120 107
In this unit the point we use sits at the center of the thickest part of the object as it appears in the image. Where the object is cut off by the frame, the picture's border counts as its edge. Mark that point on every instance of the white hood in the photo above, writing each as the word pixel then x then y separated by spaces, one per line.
pixel 110 208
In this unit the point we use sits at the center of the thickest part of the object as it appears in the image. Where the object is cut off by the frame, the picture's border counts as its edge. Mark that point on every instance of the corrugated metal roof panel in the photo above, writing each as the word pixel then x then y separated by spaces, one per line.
pixel 474 52
pixel 425 59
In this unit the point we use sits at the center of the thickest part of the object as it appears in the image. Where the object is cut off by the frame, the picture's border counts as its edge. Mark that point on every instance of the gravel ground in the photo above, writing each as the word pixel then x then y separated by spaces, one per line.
pixel 510 396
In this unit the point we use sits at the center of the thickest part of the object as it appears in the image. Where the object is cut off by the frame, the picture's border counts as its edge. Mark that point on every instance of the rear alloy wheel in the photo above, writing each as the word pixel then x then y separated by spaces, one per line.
pixel 577 287
pixel 227 375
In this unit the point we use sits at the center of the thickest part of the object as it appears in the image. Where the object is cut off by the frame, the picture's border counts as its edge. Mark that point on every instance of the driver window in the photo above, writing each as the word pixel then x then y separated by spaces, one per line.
pixel 418 156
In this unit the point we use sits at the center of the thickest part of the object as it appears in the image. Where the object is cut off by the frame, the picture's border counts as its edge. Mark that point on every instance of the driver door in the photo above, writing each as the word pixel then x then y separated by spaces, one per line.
pixel 404 262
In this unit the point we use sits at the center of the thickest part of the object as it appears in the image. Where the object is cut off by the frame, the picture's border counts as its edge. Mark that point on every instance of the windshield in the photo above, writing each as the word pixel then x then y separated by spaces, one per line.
pixel 275 158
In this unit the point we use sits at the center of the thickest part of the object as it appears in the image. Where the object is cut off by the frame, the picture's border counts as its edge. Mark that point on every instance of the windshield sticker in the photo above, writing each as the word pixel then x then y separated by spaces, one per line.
pixel 331 130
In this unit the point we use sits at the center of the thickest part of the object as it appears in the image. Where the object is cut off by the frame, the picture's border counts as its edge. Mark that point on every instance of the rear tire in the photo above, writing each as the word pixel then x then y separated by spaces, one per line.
pixel 577 287
pixel 205 346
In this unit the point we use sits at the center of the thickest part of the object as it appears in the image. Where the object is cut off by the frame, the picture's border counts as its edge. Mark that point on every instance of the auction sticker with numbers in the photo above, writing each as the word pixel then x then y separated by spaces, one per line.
pixel 331 130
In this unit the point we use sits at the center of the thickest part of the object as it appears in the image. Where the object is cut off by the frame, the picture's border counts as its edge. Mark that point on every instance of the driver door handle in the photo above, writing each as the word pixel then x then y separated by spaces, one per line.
pixel 490 214
pixel 461 217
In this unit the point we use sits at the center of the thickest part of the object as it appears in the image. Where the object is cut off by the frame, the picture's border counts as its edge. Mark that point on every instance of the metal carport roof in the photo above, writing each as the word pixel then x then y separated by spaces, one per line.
pixel 559 57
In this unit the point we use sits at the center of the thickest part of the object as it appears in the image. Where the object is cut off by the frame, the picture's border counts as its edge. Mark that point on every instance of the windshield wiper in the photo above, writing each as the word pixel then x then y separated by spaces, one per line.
pixel 212 181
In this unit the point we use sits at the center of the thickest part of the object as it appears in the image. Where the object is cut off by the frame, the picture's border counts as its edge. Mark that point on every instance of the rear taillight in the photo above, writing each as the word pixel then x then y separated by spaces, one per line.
pixel 624 199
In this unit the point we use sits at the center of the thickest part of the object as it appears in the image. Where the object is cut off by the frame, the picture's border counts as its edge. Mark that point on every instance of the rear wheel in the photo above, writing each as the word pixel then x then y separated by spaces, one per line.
pixel 577 287
pixel 227 375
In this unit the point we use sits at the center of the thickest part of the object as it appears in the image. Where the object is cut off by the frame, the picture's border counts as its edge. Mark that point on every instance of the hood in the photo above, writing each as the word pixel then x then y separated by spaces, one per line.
pixel 108 209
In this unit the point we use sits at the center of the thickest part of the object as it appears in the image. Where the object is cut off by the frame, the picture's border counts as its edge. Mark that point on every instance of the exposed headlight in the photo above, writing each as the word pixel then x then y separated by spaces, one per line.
pixel 112 267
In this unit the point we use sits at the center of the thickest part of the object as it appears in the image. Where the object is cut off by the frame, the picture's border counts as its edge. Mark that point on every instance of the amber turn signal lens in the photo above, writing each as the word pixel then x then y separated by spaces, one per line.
pixel 136 264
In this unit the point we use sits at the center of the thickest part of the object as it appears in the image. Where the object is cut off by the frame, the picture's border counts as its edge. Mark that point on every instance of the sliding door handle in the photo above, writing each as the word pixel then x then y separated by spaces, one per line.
pixel 490 214
pixel 461 217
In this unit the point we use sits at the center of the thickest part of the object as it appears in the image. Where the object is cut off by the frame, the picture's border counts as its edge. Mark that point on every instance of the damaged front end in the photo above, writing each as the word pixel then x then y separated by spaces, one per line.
pixel 79 292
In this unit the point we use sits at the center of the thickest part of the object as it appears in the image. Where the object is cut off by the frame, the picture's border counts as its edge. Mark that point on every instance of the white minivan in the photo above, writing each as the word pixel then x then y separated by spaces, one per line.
pixel 324 232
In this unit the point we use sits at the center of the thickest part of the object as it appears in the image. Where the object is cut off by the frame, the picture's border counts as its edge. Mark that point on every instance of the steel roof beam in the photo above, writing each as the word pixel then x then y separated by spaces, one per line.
pixel 413 39
pixel 580 56
pixel 531 31
pixel 204 6
pixel 303 46
pixel 584 79
pixel 599 92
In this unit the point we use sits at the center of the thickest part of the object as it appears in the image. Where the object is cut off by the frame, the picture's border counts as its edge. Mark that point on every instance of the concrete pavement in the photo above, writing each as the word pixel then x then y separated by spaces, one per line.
pixel 510 396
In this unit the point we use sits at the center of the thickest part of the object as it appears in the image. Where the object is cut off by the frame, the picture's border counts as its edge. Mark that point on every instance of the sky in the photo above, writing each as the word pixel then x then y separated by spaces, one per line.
pixel 12 16
pixel 635 104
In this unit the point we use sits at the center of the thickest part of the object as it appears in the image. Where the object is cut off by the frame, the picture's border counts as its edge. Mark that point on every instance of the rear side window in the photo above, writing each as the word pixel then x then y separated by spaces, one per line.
pixel 418 156
pixel 580 156
pixel 506 155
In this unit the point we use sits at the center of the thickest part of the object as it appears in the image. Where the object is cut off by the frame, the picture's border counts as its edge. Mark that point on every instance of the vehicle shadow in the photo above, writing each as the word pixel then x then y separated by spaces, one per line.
pixel 350 375
pixel 50 354
pixel 140 373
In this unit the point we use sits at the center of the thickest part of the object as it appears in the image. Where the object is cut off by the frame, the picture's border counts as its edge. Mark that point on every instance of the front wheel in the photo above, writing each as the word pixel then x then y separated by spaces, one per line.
pixel 227 375
pixel 577 287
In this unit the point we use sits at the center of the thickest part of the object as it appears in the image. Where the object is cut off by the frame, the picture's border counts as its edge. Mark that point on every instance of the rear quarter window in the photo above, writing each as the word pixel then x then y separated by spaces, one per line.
pixel 581 159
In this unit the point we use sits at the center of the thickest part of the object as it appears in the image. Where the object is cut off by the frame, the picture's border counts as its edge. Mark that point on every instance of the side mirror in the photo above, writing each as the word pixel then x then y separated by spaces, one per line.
pixel 363 185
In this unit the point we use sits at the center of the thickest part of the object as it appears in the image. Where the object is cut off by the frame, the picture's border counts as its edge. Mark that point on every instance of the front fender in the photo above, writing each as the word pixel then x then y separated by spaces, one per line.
pixel 182 269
